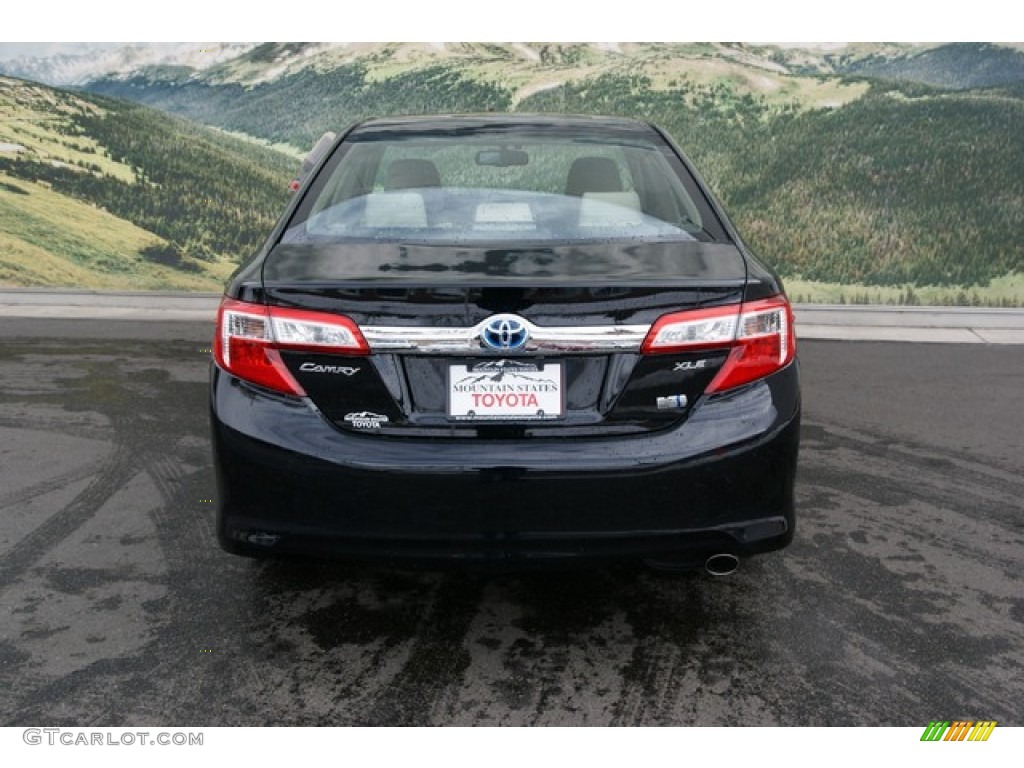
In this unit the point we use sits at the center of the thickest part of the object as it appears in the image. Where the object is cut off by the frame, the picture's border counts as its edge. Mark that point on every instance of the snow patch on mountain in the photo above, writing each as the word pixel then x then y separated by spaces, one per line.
pixel 526 51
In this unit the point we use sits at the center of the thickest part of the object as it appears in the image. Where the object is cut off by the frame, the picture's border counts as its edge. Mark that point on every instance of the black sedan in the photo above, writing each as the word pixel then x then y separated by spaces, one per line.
pixel 505 339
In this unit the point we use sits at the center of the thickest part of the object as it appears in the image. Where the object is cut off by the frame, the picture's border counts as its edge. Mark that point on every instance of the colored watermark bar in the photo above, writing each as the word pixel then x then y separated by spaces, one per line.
pixel 958 730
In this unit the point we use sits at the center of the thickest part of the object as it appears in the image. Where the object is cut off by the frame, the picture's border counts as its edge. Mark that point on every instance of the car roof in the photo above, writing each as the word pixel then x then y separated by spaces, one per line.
pixel 498 122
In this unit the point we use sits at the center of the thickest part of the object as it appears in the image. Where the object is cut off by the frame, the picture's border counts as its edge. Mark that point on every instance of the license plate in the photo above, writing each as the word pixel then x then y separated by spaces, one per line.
pixel 505 390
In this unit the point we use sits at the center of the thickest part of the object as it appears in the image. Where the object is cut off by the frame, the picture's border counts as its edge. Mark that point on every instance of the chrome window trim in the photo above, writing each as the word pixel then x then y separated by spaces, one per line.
pixel 584 339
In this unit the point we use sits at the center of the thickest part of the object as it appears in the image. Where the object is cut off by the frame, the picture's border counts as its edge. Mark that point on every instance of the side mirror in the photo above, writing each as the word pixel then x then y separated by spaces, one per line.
pixel 315 155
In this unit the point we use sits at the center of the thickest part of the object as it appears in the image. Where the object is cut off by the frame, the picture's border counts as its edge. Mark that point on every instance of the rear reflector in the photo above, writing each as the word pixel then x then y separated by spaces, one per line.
pixel 250 335
pixel 760 334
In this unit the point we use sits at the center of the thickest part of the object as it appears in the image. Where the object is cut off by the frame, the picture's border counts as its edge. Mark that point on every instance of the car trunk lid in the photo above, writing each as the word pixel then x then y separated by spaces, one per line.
pixel 425 310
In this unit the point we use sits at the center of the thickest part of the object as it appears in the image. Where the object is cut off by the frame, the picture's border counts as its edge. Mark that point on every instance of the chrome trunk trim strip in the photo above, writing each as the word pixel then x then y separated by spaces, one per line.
pixel 586 339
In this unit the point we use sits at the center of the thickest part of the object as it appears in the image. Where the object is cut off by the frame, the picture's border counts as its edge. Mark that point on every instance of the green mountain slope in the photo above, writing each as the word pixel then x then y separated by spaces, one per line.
pixel 831 178
pixel 958 65
pixel 293 93
pixel 299 108
pixel 50 239
pixel 98 192
pixel 901 186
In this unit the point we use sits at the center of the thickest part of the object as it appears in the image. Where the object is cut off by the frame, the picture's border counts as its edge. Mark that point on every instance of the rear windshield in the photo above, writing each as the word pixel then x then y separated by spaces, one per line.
pixel 488 188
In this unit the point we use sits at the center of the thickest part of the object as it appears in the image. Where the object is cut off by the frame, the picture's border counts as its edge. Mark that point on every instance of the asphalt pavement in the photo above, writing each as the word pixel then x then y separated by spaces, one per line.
pixel 900 601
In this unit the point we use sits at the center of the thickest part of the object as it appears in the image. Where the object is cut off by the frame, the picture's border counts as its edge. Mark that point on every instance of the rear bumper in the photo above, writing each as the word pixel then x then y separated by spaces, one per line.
pixel 291 483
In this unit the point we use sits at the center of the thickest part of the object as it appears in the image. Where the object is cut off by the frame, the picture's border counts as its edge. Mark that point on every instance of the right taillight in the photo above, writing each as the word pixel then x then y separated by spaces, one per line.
pixel 249 337
pixel 760 334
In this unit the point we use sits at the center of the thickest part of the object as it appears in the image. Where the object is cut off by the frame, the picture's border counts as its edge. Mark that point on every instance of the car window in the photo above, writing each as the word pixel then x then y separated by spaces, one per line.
pixel 483 188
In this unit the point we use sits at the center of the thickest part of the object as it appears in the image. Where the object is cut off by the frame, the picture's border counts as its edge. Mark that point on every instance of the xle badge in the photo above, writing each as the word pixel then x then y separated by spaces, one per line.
pixel 690 365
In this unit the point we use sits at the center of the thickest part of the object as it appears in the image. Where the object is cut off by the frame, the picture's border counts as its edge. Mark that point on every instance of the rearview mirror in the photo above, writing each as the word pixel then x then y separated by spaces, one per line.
pixel 502 158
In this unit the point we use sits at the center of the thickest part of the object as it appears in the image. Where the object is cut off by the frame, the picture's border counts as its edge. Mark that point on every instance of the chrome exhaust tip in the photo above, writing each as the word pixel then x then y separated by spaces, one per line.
pixel 262 538
pixel 722 564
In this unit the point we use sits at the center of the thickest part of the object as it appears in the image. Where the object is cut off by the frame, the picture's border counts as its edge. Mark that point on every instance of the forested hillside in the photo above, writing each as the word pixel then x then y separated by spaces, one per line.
pixel 196 201
pixel 957 66
pixel 904 185
pixel 830 178
pixel 907 184
pixel 299 108
pixel 834 165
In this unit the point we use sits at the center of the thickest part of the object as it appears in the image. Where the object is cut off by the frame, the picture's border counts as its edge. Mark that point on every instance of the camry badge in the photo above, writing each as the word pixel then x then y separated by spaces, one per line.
pixel 315 368
pixel 505 333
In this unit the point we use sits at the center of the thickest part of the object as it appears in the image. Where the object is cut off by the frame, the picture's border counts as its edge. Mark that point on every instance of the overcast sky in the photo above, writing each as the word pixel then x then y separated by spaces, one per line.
pixel 16 50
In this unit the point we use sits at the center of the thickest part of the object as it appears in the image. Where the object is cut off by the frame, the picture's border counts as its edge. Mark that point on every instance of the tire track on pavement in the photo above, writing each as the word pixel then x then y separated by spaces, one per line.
pixel 436 662
pixel 115 472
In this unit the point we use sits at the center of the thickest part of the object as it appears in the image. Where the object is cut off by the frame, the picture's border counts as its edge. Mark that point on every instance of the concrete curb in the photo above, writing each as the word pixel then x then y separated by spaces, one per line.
pixel 948 325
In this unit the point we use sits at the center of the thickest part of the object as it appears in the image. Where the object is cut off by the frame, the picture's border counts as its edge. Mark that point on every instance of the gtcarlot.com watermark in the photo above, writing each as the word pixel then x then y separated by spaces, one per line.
pixel 74 737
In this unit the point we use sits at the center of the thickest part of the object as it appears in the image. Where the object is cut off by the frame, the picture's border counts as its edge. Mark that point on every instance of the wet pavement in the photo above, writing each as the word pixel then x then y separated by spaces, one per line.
pixel 900 601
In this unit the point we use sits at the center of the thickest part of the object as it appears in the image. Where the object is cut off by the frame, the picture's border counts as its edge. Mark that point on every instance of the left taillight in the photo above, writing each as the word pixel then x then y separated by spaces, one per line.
pixel 250 336
pixel 759 334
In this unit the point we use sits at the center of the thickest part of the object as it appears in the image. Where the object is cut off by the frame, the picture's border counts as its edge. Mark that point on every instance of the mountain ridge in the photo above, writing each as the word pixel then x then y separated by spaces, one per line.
pixel 73 69
pixel 831 176
pixel 950 65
